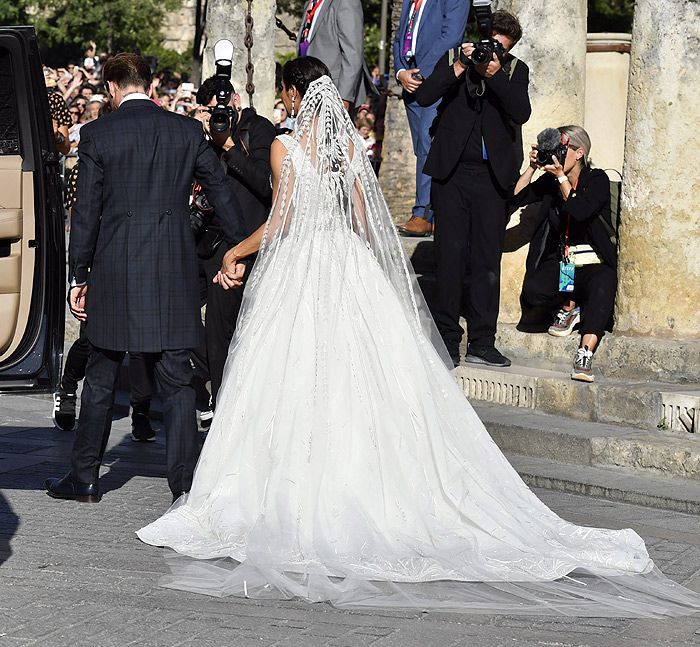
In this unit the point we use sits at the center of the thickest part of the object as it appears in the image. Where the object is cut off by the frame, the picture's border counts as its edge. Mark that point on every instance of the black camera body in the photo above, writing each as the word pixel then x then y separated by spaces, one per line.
pixel 223 116
pixel 551 142
pixel 544 155
pixel 487 45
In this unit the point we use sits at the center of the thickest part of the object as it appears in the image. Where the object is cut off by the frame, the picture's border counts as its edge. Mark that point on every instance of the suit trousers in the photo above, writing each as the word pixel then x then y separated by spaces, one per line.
pixel 173 374
pixel 471 214
pixel 222 311
pixel 420 120
pixel 140 371
pixel 594 291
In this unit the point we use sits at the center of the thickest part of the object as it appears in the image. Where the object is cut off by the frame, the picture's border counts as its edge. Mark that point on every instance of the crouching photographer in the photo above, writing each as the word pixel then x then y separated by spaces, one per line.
pixel 242 139
pixel 574 261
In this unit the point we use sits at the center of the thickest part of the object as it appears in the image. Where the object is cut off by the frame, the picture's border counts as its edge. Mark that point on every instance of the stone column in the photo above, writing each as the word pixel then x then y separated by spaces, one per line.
pixel 659 256
pixel 397 175
pixel 226 19
pixel 554 47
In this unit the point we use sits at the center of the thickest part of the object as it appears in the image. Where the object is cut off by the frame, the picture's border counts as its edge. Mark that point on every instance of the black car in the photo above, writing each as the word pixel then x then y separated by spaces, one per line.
pixel 32 234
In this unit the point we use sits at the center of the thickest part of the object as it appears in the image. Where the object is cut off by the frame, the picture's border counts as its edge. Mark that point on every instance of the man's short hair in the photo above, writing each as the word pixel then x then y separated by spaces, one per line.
pixel 507 24
pixel 207 91
pixel 127 70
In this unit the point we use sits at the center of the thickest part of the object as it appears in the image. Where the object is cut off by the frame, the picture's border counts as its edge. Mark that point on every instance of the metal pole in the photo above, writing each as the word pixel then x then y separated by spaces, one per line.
pixel 382 36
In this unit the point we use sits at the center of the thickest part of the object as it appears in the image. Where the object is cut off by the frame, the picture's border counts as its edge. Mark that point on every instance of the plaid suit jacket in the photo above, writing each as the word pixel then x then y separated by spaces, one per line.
pixel 130 234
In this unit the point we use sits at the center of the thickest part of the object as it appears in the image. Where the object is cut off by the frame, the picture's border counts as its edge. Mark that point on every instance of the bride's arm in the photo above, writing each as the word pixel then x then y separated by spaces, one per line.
pixel 251 245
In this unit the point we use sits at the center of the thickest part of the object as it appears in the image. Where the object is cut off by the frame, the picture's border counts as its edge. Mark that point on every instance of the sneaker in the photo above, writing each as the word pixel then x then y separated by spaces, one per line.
pixel 582 365
pixel 141 430
pixel 564 322
pixel 63 414
pixel 485 355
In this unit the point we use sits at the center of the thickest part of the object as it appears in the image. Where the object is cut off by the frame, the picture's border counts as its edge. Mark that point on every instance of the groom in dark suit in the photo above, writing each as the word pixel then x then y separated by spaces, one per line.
pixel 133 266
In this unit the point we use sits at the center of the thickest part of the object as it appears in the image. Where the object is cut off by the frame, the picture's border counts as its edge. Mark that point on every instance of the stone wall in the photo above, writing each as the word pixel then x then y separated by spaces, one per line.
pixel 226 19
pixel 180 26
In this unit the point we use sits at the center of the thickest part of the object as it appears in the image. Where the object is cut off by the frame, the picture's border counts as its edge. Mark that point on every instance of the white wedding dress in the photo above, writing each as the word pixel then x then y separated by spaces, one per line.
pixel 344 462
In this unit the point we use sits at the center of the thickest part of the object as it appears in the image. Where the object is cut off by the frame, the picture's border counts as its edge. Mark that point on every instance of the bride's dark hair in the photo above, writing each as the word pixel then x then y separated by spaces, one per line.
pixel 302 72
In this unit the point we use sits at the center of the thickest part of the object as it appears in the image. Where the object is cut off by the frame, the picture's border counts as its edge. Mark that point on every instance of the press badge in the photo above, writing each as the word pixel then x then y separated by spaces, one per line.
pixel 566 276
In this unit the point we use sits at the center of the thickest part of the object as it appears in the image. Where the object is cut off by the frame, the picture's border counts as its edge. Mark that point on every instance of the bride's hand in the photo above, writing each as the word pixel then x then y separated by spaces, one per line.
pixel 231 278
pixel 232 270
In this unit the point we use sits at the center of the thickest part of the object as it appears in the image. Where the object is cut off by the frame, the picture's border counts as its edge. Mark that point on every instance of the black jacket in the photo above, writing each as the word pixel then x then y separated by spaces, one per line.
pixel 590 200
pixel 504 106
pixel 249 172
pixel 131 238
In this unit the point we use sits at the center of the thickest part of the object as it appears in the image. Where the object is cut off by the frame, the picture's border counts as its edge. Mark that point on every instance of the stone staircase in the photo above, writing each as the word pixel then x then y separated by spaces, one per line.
pixel 632 435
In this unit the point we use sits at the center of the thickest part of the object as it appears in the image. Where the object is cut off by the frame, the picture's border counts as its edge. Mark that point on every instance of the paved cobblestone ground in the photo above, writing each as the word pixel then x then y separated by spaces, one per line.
pixel 74 574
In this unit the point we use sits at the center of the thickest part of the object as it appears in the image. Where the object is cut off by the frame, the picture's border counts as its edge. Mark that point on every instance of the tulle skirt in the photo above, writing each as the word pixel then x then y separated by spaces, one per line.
pixel 344 464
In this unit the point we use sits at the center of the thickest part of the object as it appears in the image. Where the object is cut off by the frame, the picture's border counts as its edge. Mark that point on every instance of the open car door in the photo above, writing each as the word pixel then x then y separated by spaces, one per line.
pixel 32 234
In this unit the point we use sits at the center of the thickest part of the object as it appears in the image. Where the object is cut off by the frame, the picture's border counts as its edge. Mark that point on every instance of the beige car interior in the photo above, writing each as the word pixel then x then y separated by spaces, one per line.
pixel 16 256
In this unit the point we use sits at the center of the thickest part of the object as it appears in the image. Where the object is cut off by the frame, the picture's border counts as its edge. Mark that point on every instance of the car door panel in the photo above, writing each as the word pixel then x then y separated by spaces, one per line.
pixel 32 239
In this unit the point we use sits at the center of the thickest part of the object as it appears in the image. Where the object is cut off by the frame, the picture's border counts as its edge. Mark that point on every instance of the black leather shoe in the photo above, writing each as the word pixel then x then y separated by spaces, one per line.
pixel 141 430
pixel 67 488
pixel 177 495
pixel 485 355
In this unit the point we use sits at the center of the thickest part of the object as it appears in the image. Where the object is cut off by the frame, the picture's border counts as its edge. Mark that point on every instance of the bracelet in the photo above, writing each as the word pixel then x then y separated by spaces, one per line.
pixel 562 179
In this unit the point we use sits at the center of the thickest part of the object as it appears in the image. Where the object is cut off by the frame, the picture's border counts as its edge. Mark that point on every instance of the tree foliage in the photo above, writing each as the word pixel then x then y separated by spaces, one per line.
pixel 610 15
pixel 66 27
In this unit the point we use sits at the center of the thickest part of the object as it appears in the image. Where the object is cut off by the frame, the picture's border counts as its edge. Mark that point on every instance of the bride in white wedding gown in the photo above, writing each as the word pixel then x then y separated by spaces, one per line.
pixel 344 463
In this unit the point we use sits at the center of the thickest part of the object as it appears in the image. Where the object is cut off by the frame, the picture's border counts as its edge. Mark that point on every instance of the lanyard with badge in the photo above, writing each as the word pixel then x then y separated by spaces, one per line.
pixel 408 52
pixel 566 267
pixel 310 13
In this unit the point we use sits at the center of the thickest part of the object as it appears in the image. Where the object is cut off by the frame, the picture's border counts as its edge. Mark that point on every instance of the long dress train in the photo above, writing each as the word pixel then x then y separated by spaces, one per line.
pixel 344 462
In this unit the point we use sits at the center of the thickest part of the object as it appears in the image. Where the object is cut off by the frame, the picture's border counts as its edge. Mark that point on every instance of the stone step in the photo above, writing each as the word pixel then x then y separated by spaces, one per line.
pixel 614 484
pixel 637 358
pixel 563 440
pixel 641 404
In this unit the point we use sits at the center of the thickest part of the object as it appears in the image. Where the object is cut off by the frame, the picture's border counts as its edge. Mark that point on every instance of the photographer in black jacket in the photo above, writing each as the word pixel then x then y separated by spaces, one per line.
pixel 474 161
pixel 575 205
pixel 245 151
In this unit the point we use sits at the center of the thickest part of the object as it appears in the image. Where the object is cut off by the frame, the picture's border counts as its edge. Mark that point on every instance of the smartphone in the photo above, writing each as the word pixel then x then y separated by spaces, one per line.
pixel 417 76
pixel 187 89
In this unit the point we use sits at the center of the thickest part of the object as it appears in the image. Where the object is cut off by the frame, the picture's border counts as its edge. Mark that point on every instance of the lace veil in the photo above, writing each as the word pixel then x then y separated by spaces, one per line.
pixel 329 196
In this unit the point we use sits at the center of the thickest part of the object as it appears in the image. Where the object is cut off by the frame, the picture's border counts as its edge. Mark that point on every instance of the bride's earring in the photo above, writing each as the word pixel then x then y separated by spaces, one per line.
pixel 294 112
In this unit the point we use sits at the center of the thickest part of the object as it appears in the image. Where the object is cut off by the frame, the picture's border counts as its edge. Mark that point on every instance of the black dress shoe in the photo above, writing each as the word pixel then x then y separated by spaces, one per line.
pixel 141 430
pixel 485 355
pixel 177 495
pixel 67 488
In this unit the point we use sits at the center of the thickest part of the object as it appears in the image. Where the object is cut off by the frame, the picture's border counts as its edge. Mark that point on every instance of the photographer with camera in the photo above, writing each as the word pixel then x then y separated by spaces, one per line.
pixel 474 161
pixel 574 260
pixel 242 140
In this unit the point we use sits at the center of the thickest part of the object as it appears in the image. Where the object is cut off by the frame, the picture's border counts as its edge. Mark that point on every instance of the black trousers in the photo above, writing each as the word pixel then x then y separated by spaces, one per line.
pixel 173 376
pixel 222 311
pixel 140 371
pixel 594 291
pixel 471 215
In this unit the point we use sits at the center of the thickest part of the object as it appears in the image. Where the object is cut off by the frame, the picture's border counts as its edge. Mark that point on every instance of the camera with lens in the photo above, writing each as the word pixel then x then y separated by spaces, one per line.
pixel 487 45
pixel 551 142
pixel 223 116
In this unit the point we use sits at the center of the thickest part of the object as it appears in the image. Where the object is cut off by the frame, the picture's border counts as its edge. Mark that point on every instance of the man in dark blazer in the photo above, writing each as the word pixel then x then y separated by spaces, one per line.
pixel 474 161
pixel 133 266
pixel 427 29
